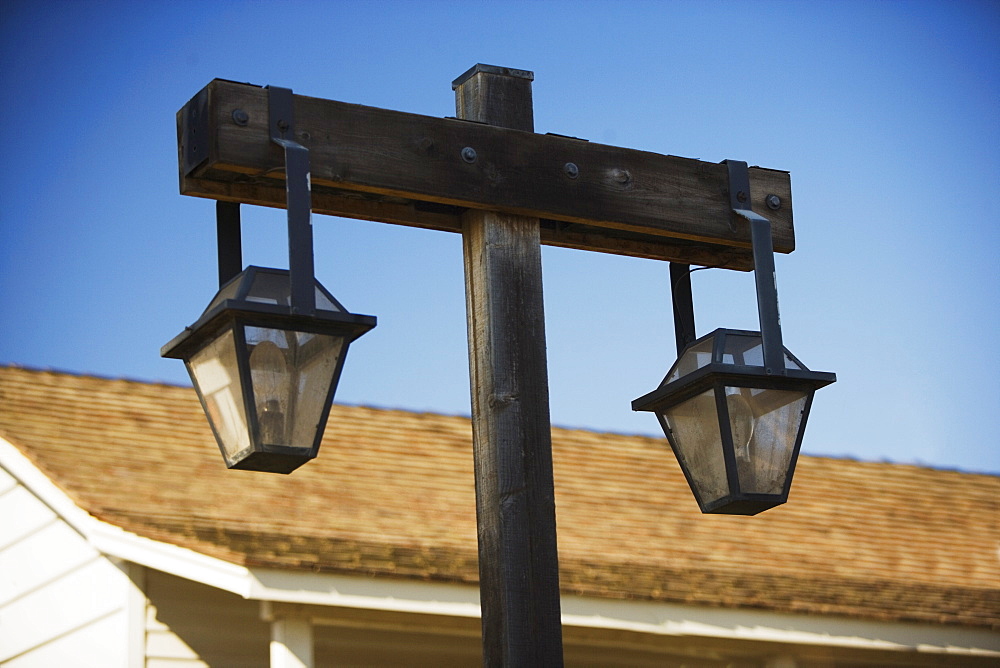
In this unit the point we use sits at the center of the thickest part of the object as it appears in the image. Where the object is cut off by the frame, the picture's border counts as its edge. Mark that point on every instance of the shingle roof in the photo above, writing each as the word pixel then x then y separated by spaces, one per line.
pixel 392 494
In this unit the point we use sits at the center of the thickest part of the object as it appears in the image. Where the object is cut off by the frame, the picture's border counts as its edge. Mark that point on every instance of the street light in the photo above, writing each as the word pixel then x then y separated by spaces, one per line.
pixel 265 375
pixel 734 428
pixel 266 355
pixel 734 405
pixel 420 171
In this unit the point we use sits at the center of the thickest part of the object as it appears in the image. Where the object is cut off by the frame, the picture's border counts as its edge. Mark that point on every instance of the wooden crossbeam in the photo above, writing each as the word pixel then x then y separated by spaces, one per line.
pixel 409 169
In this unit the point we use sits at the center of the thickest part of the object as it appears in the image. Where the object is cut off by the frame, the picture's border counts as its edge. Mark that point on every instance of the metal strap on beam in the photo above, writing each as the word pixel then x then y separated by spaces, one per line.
pixel 227 228
pixel 680 293
pixel 763 259
pixel 299 199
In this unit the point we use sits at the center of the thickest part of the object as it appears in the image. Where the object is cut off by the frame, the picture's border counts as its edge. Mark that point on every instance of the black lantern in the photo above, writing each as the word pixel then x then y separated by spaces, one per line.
pixel 266 376
pixel 734 428
pixel 266 354
pixel 734 405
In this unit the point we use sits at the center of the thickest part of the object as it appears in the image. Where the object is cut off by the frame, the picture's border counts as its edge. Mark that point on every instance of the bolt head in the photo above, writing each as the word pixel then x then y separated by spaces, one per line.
pixel 469 154
pixel 240 117
pixel 773 202
pixel 572 171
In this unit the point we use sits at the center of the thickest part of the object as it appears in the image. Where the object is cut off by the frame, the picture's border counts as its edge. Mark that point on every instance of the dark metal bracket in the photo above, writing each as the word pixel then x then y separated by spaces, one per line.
pixel 227 227
pixel 763 262
pixel 680 293
pixel 764 277
pixel 281 125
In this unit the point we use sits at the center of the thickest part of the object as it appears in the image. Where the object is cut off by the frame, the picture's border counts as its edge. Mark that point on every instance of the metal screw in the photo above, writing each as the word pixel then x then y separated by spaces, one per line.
pixel 572 171
pixel 773 202
pixel 741 196
pixel 240 117
pixel 469 154
pixel 283 126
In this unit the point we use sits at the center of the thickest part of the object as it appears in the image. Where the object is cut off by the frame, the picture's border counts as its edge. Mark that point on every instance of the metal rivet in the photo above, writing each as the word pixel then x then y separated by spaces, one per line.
pixel 773 202
pixel 240 117
pixel 469 154
pixel 572 171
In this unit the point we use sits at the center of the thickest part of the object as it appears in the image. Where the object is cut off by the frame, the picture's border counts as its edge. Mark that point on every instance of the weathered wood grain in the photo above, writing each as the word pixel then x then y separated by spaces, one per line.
pixel 515 497
pixel 408 169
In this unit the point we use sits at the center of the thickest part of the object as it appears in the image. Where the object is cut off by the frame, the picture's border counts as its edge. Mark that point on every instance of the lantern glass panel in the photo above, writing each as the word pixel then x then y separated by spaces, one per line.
pixel 291 373
pixel 695 356
pixel 693 427
pixel 227 291
pixel 748 350
pixel 275 288
pixel 765 427
pixel 216 376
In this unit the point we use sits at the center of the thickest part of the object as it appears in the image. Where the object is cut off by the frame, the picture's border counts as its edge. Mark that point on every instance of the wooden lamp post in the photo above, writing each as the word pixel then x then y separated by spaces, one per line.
pixel 487 175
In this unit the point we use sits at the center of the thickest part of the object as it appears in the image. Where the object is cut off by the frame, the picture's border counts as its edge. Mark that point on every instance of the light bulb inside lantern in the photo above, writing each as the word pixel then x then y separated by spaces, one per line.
pixel 269 371
pixel 742 423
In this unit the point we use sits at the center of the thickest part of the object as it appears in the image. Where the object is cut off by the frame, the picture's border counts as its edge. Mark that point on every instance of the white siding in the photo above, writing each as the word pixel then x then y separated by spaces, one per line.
pixel 61 602
pixel 191 625
pixel 406 647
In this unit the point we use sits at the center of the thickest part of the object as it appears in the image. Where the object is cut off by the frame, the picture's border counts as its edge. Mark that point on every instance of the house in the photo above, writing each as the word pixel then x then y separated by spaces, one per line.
pixel 124 541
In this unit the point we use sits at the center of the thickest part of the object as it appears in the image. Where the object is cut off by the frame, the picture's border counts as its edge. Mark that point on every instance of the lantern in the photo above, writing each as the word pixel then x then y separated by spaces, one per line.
pixel 266 376
pixel 734 428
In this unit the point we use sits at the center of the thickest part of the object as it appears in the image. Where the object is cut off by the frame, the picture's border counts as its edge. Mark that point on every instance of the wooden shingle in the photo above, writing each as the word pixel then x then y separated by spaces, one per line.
pixel 392 494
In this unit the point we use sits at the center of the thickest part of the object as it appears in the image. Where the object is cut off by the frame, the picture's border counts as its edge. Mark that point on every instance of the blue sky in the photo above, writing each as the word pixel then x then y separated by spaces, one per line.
pixel 887 115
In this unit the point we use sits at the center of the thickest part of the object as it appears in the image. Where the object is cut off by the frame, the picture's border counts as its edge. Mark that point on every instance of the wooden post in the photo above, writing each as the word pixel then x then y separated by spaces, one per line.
pixel 515 500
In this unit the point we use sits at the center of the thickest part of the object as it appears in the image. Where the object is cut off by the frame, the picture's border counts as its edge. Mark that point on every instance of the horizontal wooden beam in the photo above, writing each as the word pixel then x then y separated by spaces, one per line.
pixel 408 169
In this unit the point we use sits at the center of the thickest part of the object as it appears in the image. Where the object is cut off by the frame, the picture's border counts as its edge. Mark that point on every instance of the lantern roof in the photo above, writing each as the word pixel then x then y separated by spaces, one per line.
pixel 731 355
pixel 264 295
pixel 264 285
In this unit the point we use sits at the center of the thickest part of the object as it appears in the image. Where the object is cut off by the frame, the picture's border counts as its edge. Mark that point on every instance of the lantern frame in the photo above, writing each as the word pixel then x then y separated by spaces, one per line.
pixel 233 310
pixel 716 376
